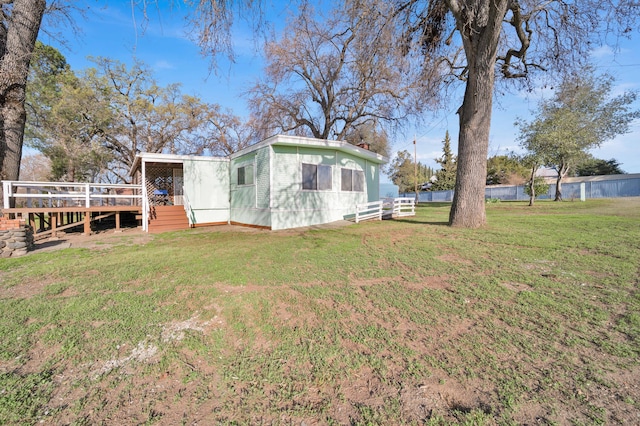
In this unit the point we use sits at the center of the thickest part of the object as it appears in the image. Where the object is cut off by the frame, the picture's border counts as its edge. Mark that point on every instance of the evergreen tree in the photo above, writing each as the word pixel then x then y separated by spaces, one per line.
pixel 599 167
pixel 446 176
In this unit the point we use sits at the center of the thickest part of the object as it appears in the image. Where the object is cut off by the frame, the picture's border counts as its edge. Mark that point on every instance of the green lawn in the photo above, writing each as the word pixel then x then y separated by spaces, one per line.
pixel 534 319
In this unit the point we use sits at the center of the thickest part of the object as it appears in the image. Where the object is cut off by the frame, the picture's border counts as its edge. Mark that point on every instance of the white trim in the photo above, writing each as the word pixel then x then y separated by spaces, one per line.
pixel 153 157
pixel 145 197
pixel 302 142
pixel 271 177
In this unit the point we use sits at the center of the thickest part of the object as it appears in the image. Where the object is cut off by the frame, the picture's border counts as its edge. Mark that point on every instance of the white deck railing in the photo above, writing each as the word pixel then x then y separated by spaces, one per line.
pixel 404 207
pixel 369 211
pixel 70 194
pixel 388 208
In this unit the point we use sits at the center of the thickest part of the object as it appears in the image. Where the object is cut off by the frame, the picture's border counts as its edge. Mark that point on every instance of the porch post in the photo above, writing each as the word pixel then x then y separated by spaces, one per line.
pixel 6 190
pixel 145 199
pixel 87 223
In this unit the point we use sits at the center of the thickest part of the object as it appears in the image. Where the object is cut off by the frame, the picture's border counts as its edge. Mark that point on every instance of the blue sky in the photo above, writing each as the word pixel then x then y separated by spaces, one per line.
pixel 112 29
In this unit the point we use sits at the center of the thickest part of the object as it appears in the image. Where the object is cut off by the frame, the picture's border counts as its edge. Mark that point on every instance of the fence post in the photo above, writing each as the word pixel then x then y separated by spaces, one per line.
pixel 6 190
pixel 87 200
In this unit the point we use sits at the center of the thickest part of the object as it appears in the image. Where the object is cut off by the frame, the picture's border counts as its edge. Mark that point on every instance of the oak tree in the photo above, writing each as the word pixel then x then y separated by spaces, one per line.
pixel 222 132
pixel 66 118
pixel 474 40
pixel 328 75
pixel 19 25
pixel 580 116
pixel 505 170
pixel 147 117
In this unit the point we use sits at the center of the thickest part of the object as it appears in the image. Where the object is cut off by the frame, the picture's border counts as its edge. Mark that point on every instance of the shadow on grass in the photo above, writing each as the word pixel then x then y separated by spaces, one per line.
pixel 422 222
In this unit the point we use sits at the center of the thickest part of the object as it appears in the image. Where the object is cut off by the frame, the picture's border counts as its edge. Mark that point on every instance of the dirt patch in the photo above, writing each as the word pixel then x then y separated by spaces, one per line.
pixel 25 290
pixel 99 240
pixel 453 258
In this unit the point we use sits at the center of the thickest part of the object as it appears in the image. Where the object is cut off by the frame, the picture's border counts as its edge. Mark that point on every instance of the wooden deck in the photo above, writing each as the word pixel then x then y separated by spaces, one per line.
pixel 50 207
pixel 49 220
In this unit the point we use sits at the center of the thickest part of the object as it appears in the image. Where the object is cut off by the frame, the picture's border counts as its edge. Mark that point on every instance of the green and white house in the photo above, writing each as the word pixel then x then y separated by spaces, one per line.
pixel 282 182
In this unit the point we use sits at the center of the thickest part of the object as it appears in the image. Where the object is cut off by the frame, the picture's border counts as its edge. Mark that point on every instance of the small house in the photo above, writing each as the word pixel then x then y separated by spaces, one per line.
pixel 282 182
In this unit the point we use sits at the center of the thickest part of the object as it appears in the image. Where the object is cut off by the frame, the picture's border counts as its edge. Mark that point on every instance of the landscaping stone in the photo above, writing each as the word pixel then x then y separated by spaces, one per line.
pixel 16 238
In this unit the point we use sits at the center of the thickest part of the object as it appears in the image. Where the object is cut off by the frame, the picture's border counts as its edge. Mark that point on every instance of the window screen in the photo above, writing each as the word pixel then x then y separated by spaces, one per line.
pixel 324 178
pixel 316 177
pixel 352 180
pixel 358 180
pixel 309 176
pixel 245 175
pixel 347 184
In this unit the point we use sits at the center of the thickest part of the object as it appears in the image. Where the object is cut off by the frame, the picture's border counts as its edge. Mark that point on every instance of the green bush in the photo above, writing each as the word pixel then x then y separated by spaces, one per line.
pixel 540 187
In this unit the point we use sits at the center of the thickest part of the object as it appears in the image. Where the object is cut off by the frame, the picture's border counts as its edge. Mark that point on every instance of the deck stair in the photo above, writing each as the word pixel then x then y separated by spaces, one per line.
pixel 167 218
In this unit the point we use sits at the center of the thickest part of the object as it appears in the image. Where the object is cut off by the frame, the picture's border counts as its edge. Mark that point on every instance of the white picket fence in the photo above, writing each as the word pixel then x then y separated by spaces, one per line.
pixel 388 208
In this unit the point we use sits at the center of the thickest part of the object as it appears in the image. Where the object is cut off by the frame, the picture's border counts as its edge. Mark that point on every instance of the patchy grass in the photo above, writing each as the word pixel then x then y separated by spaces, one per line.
pixel 534 319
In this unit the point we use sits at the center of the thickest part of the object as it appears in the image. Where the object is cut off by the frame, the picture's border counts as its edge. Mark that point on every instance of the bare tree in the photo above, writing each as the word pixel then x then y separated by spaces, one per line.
pixel 328 75
pixel 472 39
pixel 35 167
pixel 223 133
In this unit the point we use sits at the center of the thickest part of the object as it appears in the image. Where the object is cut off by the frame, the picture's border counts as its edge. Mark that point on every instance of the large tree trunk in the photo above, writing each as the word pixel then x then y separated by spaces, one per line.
pixel 562 172
pixel 480 44
pixel 21 31
pixel 532 185
pixel 558 196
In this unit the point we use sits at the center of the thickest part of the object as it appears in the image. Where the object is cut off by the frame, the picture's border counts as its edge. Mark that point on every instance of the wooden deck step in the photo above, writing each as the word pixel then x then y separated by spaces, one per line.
pixel 167 218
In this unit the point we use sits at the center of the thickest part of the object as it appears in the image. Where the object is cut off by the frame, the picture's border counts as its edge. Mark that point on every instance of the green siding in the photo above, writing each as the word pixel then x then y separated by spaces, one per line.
pixel 263 184
pixel 372 174
pixel 250 203
pixel 293 207
pixel 242 196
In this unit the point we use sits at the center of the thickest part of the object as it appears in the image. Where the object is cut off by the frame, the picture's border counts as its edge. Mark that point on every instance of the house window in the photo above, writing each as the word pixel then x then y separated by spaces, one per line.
pixel 316 177
pixel 245 175
pixel 352 180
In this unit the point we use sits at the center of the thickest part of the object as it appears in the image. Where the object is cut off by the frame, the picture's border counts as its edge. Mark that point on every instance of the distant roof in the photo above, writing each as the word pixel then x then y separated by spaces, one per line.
pixel 547 172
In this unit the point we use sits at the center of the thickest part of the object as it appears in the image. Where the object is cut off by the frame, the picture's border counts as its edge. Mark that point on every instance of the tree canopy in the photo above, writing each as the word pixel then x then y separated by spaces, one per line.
pixel 329 75
pixel 406 174
pixel 598 167
pixel 505 170
pixel 580 116
pixel 66 119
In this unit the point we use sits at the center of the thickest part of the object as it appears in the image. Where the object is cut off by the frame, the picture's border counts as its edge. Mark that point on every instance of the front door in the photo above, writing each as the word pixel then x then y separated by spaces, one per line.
pixel 178 191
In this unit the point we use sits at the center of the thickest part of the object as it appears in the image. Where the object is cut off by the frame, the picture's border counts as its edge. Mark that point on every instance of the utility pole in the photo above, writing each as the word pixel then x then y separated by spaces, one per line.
pixel 415 167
